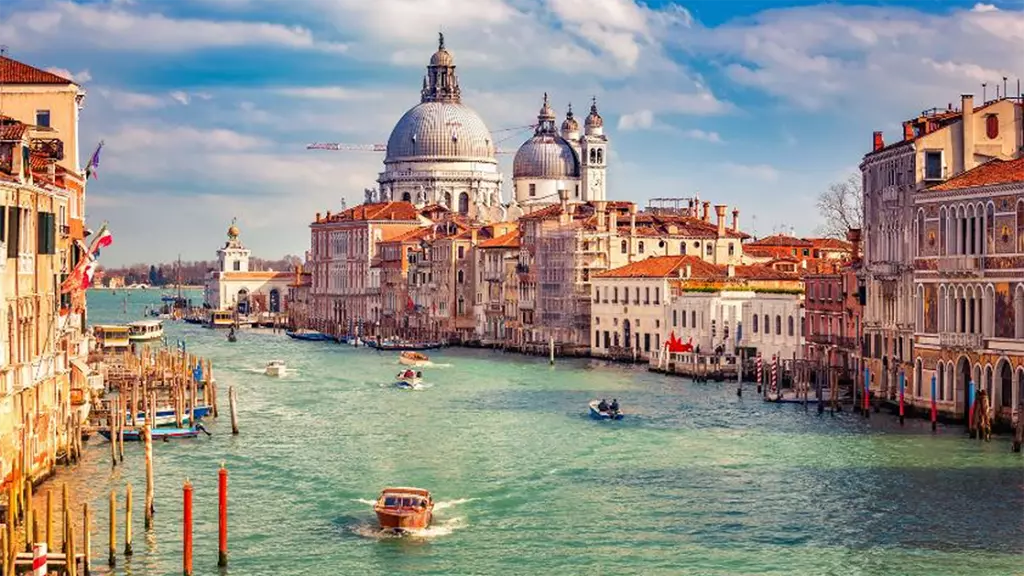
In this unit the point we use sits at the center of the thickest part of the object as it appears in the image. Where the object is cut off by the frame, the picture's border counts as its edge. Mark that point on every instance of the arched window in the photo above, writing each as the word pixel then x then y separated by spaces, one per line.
pixel 778 325
pixel 942 231
pixel 693 319
pixel 754 323
pixel 1005 385
pixel 917 378
pixel 461 306
pixel 1020 226
pixel 940 380
pixel 463 203
pixel 459 277
pixel 767 326
pixel 593 156
pixel 600 156
pixel 406 197
pixel 624 247
pixel 732 249
pixel 990 229
pixel 682 247
pixel 920 232
pixel 992 126
pixel 791 329
pixel 640 247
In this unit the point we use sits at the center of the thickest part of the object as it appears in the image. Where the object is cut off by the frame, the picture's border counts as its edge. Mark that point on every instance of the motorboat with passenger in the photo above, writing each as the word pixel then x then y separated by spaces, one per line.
pixel 607 413
pixel 409 380
pixel 416 359
pixel 402 510
pixel 276 368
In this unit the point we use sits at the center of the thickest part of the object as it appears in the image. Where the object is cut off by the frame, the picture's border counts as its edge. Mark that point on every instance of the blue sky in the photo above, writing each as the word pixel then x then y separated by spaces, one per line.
pixel 206 105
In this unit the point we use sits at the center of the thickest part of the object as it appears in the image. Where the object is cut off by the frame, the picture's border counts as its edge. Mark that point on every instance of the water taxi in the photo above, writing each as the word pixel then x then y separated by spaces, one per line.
pixel 220 319
pixel 410 358
pixel 111 336
pixel 275 368
pixel 402 510
pixel 145 330
pixel 598 414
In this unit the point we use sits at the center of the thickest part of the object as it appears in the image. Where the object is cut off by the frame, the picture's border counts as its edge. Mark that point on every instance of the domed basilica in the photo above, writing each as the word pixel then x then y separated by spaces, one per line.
pixel 441 152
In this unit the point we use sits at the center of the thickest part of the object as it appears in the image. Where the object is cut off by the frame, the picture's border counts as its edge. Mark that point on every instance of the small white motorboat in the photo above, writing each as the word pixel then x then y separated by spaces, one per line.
pixel 276 368
pixel 409 380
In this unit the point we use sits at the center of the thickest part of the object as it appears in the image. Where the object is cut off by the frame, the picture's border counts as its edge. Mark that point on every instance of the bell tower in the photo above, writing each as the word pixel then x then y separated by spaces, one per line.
pixel 233 257
pixel 593 156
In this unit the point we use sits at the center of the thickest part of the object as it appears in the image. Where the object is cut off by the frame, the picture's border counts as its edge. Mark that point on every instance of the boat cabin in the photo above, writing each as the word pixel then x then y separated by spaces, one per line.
pixel 111 336
pixel 145 330
pixel 407 498
pixel 221 319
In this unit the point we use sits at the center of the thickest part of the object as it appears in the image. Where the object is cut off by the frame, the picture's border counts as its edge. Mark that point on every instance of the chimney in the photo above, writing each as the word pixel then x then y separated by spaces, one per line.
pixel 720 213
pixel 736 220
pixel 472 237
pixel 878 143
pixel 689 271
pixel 563 199
pixel 967 109
pixel 730 271
pixel 853 236
pixel 613 221
pixel 908 130
pixel 707 212
pixel 632 220
pixel 317 216
pixel 600 206
pixel 328 216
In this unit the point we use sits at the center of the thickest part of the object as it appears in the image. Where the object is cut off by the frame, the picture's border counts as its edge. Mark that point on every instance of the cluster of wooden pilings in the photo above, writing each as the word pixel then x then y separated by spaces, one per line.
pixel 35 551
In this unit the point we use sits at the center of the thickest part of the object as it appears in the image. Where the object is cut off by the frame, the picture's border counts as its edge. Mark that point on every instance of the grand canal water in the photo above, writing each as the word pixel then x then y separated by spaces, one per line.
pixel 693 482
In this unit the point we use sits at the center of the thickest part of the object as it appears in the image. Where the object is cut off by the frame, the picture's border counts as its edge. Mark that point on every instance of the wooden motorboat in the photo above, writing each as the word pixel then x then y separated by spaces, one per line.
pixel 410 358
pixel 403 510
pixel 165 416
pixel 603 414
pixel 276 368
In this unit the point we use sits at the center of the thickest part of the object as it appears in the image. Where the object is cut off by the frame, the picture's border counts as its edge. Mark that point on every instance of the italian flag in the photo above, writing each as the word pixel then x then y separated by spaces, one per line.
pixel 102 240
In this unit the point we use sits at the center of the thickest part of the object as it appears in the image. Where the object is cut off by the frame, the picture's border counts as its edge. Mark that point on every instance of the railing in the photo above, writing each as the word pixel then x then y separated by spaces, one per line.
pixel 960 341
pixel 845 342
pixel 959 264
pixel 885 268
pixel 26 263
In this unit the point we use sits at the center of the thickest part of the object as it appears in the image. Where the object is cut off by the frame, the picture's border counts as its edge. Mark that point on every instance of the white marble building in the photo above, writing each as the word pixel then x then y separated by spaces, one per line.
pixel 441 151
pixel 233 286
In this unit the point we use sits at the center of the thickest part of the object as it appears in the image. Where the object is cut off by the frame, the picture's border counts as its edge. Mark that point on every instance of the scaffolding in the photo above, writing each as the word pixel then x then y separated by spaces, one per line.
pixel 563 300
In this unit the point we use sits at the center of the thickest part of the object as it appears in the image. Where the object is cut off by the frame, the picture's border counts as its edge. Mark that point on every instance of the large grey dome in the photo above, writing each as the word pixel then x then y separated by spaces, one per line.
pixel 546 156
pixel 440 131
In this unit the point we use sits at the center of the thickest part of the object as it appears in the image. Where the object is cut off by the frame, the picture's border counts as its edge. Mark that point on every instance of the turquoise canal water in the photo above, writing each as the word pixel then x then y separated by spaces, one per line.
pixel 693 482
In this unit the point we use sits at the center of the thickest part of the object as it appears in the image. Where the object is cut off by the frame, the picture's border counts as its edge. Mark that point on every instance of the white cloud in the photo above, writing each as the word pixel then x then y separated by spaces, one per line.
pixel 116 28
pixel 761 172
pixel 126 100
pixel 640 120
pixel 707 136
pixel 79 78
pixel 979 7
pixel 328 93
pixel 180 97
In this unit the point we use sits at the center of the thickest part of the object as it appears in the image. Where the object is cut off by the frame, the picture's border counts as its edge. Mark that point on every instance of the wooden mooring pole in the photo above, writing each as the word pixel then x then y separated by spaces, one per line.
pixel 112 553
pixel 128 520
pixel 49 519
pixel 147 435
pixel 86 539
pixel 232 403
pixel 29 519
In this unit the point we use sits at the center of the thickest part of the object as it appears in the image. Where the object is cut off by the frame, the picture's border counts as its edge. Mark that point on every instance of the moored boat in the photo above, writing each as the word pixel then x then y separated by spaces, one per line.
pixel 603 414
pixel 165 416
pixel 220 319
pixel 410 358
pixel 311 335
pixel 111 336
pixel 275 368
pixel 397 346
pixel 404 509
pixel 135 435
pixel 145 330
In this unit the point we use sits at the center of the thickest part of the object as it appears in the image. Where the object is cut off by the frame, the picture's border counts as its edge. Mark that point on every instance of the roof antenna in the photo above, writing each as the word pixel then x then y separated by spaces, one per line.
pixel 984 85
pixel 1005 93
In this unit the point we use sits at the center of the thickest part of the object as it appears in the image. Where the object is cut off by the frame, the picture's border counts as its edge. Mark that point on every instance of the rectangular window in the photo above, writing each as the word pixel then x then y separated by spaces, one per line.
pixel 647 342
pixel 933 165
pixel 675 318
pixel 237 265
pixel 43 118
pixel 13 231
pixel 657 296
pixel 647 295
pixel 46 233
pixel 533 190
pixel 683 319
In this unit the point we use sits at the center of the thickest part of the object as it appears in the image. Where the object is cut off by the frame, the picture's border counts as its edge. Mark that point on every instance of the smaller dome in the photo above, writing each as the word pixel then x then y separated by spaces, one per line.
pixel 546 156
pixel 442 58
pixel 570 124
pixel 594 119
pixel 546 113
pixel 233 231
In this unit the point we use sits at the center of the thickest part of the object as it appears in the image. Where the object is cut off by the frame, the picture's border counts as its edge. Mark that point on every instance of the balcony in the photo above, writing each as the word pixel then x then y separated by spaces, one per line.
pixel 26 263
pixel 960 265
pixel 844 342
pixel 960 341
pixel 51 148
pixel 891 194
pixel 65 231
pixel 885 268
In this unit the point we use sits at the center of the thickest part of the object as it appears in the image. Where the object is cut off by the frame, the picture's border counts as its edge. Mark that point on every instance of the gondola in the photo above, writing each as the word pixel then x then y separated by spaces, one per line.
pixel 135 435
pixel 309 335
pixel 402 347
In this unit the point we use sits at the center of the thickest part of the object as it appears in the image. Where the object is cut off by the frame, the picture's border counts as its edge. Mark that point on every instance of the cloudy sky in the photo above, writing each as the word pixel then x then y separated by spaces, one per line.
pixel 206 105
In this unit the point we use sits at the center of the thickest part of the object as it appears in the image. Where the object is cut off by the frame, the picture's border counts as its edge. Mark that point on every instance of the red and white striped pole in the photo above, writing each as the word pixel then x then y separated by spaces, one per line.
pixel 775 374
pixel 759 373
pixel 39 559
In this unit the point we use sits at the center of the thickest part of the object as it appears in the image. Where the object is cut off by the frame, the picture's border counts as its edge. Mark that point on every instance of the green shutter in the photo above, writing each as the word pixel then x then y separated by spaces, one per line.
pixel 40 232
pixel 13 231
pixel 51 233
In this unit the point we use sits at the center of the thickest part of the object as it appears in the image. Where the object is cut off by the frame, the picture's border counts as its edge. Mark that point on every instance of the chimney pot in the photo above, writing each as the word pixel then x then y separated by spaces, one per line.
pixel 731 271
pixel 878 143
pixel 908 131
pixel 720 214
pixel 736 220
pixel 967 125
pixel 317 216
pixel 706 215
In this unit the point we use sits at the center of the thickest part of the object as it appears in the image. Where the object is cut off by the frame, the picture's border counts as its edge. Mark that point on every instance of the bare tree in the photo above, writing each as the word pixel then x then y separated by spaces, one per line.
pixel 841 207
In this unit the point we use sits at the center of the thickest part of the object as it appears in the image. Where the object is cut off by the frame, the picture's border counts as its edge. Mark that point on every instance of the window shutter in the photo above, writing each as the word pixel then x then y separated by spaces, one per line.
pixel 51 232
pixel 13 231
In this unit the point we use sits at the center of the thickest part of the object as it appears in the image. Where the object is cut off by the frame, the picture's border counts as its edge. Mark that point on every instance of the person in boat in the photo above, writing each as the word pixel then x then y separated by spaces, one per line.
pixel 614 407
pixel 419 374
pixel 408 374
pixel 602 406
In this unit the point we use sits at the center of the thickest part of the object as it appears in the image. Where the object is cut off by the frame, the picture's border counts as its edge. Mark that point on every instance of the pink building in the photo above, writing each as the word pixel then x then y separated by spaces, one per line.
pixel 833 316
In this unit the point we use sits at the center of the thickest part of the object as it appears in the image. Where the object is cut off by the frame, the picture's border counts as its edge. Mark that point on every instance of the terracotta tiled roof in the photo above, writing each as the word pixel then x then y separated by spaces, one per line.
pixel 14 72
pixel 763 272
pixel 510 240
pixel 378 211
pixel 831 244
pixel 781 241
pixel 39 162
pixel 989 173
pixel 11 129
pixel 414 235
pixel 663 267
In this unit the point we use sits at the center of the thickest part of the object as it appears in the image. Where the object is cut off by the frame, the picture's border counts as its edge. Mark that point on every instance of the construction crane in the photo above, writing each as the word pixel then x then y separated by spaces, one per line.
pixel 343 147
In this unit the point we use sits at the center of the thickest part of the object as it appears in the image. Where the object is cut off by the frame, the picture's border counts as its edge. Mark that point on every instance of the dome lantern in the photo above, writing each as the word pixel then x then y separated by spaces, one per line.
pixel 594 122
pixel 570 127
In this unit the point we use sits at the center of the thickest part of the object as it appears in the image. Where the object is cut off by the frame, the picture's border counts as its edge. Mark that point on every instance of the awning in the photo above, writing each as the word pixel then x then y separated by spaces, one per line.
pixel 81 367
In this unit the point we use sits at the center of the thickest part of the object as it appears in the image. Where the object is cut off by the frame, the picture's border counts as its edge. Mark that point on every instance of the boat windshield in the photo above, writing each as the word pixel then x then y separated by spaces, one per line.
pixel 407 502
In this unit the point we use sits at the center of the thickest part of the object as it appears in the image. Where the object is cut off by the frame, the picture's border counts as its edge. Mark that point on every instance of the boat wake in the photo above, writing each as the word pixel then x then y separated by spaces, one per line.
pixel 438 506
pixel 288 374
